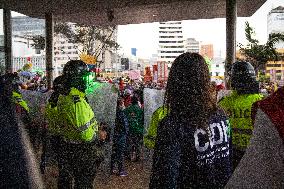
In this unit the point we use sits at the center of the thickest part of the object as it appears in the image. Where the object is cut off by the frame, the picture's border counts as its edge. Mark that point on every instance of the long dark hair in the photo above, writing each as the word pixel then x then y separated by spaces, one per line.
pixel 188 92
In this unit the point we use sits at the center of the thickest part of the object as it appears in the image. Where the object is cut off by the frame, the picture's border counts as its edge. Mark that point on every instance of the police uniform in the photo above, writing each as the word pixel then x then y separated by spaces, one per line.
pixel 150 138
pixel 238 106
pixel 80 154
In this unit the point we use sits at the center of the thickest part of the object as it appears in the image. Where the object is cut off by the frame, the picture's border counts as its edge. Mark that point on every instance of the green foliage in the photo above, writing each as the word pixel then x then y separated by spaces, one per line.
pixel 38 42
pixel 86 36
pixel 258 54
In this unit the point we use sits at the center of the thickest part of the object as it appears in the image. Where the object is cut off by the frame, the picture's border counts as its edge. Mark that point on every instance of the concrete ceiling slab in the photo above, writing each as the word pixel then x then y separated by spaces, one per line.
pixel 121 12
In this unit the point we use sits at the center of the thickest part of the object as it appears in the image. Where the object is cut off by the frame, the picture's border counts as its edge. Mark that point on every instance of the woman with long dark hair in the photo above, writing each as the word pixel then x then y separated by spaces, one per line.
pixel 193 147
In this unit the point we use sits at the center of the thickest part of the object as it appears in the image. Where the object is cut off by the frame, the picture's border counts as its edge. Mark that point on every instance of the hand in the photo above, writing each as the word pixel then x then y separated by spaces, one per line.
pixel 102 135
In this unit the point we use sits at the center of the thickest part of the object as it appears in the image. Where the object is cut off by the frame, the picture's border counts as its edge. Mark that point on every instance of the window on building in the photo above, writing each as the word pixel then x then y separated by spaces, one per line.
pixel 69 47
pixel 217 73
pixel 217 65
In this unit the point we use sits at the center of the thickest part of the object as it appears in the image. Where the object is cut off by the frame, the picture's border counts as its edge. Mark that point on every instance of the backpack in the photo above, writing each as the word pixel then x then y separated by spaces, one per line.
pixel 76 117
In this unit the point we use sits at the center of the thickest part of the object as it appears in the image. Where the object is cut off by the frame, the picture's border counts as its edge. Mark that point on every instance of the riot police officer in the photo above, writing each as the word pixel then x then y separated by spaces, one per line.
pixel 238 106
pixel 80 147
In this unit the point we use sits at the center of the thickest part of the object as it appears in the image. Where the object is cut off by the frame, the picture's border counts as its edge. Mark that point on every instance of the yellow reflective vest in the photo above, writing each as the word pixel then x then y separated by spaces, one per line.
pixel 76 117
pixel 18 99
pixel 51 114
pixel 150 138
pixel 238 107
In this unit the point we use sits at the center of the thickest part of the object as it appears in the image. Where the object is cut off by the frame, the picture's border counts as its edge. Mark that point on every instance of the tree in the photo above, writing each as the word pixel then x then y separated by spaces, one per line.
pixel 38 42
pixel 85 36
pixel 259 54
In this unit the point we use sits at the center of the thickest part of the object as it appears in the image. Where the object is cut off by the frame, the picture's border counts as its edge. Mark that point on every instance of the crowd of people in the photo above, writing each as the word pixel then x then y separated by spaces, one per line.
pixel 199 140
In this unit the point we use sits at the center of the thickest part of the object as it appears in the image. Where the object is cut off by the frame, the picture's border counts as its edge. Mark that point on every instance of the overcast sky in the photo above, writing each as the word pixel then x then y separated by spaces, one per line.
pixel 144 37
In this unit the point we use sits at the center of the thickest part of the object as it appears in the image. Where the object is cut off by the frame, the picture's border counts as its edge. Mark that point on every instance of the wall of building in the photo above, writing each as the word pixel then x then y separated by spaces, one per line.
pixel 171 40
pixel 192 45
pixel 207 50
pixel 275 23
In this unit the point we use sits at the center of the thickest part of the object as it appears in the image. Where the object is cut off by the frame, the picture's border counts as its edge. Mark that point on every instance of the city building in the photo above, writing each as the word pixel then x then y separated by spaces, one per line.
pixel 217 68
pixel 192 45
pixel 207 50
pixel 63 52
pixel 275 23
pixel 24 27
pixel 275 69
pixel 171 41
pixel 27 26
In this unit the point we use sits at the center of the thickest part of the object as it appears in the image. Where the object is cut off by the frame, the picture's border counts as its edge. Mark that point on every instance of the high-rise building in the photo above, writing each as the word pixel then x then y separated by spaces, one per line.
pixel 207 51
pixel 275 23
pixel 63 52
pixel 192 45
pixel 27 26
pixel 171 41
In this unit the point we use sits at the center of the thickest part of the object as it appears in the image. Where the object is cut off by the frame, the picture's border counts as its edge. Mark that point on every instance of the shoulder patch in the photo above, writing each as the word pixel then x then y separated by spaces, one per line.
pixel 76 98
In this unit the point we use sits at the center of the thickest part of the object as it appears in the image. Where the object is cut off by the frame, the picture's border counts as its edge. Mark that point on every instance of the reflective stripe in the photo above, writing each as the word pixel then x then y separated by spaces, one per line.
pixel 87 125
pixel 150 137
pixel 18 99
pixel 242 131
pixel 71 141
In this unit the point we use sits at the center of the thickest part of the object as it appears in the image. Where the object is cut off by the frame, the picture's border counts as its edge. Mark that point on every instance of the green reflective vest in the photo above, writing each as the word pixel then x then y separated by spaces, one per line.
pixel 76 117
pixel 51 114
pixel 238 108
pixel 18 99
pixel 150 138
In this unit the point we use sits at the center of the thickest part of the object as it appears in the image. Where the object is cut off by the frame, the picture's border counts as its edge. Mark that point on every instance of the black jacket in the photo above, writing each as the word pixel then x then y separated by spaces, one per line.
pixel 185 158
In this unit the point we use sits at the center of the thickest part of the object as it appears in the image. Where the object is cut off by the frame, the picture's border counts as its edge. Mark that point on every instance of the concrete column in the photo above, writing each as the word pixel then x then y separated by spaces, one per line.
pixel 7 40
pixel 231 21
pixel 49 48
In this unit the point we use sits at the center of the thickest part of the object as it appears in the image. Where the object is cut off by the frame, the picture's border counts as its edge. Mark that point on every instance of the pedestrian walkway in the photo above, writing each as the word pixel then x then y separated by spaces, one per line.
pixel 138 178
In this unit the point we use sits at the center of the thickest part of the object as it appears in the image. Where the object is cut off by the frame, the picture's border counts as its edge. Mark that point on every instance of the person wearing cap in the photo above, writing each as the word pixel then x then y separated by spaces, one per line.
pixel 238 106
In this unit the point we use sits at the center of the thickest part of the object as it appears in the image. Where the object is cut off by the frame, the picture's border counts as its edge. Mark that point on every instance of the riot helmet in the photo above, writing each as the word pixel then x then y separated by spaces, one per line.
pixel 243 78
pixel 58 84
pixel 9 83
pixel 76 73
pixel 58 88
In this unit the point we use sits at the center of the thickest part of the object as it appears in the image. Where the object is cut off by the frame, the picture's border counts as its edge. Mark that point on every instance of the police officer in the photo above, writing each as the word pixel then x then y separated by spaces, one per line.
pixel 10 91
pixel 150 137
pixel 79 149
pixel 238 106
pixel 51 132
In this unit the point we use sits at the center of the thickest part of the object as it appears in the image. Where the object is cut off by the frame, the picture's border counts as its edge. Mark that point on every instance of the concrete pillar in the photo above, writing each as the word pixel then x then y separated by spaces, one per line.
pixel 49 48
pixel 231 21
pixel 7 40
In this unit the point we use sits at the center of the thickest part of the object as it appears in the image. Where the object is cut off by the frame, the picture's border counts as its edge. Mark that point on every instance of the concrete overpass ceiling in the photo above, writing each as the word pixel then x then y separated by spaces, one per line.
pixel 121 12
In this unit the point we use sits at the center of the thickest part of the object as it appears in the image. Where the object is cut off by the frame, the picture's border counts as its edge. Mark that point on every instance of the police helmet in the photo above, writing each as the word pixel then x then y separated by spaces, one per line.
pixel 243 78
pixel 75 73
pixel 10 82
pixel 58 84
pixel 75 68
